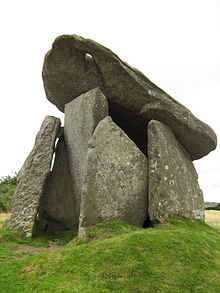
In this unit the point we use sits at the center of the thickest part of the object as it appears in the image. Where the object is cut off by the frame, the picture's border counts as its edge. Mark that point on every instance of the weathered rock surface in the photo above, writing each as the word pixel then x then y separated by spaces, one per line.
pixel 57 207
pixel 75 65
pixel 173 185
pixel 32 177
pixel 82 115
pixel 115 185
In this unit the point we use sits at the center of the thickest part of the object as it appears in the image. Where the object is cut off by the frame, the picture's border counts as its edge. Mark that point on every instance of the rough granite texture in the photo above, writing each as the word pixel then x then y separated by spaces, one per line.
pixel 82 115
pixel 115 186
pixel 57 208
pixel 75 65
pixel 32 177
pixel 173 181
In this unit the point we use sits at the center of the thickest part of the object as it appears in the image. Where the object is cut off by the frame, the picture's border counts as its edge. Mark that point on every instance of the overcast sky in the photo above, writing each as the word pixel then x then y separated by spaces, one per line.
pixel 175 43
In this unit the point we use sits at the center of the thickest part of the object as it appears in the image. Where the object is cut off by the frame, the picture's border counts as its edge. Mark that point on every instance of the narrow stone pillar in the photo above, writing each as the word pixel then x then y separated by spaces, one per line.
pixel 32 177
pixel 82 115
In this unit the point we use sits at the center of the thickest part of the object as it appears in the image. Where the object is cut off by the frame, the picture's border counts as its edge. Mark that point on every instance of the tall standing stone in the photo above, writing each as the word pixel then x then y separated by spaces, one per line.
pixel 57 208
pixel 82 115
pixel 115 185
pixel 32 177
pixel 173 181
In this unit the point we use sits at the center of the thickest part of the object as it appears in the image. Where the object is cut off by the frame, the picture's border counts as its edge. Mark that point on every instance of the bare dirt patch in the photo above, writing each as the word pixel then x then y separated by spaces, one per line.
pixel 29 269
pixel 27 250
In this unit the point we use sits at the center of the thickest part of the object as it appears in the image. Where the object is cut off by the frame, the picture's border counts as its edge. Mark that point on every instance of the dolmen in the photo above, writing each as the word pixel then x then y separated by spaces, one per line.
pixel 125 152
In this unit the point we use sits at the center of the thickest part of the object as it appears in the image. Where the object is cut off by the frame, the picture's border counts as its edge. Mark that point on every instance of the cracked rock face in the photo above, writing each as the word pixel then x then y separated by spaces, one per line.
pixel 115 183
pixel 76 65
pixel 173 180
pixel 32 177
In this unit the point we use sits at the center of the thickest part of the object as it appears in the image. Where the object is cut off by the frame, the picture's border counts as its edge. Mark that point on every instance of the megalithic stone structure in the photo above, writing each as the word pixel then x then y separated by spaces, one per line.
pixel 75 65
pixel 57 211
pixel 115 182
pixel 82 115
pixel 126 152
pixel 173 181
pixel 32 177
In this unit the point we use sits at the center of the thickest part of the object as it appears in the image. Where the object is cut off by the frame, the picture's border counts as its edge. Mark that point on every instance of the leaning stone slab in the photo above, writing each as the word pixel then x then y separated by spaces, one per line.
pixel 115 185
pixel 173 181
pixel 75 65
pixel 82 115
pixel 57 207
pixel 33 175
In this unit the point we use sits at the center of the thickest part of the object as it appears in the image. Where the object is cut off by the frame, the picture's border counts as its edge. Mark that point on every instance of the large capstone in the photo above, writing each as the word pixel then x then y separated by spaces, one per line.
pixel 173 181
pixel 32 177
pixel 75 65
pixel 115 184
pixel 57 208
pixel 82 115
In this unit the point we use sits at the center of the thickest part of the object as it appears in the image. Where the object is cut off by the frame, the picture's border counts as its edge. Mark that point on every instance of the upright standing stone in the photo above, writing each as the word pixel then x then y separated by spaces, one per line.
pixel 115 185
pixel 57 208
pixel 82 115
pixel 33 175
pixel 173 181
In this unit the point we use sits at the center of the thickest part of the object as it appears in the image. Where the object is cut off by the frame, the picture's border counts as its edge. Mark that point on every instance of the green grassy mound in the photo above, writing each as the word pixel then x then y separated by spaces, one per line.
pixel 179 256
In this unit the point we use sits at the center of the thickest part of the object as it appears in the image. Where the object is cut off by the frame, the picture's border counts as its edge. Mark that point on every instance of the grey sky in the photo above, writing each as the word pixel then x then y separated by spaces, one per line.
pixel 175 43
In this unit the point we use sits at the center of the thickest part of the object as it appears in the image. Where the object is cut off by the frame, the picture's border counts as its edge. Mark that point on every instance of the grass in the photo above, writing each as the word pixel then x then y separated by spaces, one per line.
pixel 213 218
pixel 14 244
pixel 179 256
